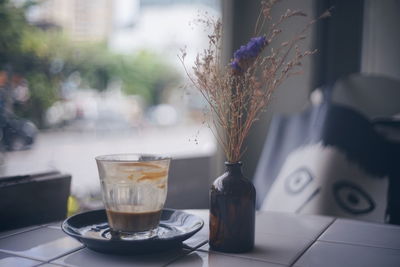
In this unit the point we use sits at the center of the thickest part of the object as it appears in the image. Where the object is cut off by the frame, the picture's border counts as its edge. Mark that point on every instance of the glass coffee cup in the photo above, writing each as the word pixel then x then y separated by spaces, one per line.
pixel 134 190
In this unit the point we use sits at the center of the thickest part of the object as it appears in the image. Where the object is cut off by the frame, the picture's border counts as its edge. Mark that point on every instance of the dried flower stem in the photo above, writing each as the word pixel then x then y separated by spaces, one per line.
pixel 239 92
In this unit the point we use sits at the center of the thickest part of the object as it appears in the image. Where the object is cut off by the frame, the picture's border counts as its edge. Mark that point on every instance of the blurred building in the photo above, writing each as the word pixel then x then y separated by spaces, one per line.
pixel 83 20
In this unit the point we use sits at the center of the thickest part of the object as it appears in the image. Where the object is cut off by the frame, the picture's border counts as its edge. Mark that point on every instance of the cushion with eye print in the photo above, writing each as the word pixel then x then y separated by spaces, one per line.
pixel 320 180
pixel 331 160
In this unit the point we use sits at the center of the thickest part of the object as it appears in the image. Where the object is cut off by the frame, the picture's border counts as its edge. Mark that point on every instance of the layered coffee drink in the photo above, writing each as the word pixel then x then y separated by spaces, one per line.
pixel 134 190
pixel 133 221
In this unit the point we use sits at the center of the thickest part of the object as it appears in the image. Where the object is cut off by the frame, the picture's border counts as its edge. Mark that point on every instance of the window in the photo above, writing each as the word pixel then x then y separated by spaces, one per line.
pixel 80 78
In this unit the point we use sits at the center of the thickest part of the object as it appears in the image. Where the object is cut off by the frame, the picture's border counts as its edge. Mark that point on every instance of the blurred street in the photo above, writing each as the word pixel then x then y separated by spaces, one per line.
pixel 74 152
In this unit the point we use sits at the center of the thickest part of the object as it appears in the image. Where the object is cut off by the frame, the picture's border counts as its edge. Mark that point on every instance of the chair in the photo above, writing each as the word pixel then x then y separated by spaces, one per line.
pixel 339 156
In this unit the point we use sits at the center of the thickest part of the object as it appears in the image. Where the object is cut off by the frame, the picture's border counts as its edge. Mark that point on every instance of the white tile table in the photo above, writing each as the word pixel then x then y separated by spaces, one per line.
pixel 282 239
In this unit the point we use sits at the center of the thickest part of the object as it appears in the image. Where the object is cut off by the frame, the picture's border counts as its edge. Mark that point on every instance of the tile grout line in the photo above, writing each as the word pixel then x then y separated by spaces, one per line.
pixel 65 254
pixel 240 256
pixel 24 231
pixel 41 260
pixel 312 243
pixel 43 263
pixel 24 257
pixel 184 254
pixel 358 245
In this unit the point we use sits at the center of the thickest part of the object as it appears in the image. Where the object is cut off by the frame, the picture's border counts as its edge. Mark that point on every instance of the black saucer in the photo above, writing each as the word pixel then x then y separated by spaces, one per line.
pixel 91 228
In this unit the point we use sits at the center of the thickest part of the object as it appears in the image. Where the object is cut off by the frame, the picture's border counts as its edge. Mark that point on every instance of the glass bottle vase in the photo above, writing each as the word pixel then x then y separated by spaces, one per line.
pixel 232 211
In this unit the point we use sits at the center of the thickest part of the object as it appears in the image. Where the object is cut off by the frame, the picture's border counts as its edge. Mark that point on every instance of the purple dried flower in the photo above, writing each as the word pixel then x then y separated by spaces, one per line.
pixel 251 50
pixel 235 66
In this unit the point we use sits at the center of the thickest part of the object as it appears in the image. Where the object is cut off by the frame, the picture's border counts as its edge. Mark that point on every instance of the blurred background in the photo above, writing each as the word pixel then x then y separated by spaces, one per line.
pixel 80 78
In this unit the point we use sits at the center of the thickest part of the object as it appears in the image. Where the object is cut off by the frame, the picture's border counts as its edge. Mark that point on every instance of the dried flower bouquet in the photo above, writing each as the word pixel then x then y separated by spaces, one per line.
pixel 238 92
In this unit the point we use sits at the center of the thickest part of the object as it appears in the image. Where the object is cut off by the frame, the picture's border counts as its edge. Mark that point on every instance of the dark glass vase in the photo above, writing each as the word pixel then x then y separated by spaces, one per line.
pixel 232 211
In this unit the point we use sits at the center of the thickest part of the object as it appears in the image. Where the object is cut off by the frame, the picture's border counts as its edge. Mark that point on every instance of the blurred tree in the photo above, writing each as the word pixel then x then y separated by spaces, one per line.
pixel 47 58
pixel 16 61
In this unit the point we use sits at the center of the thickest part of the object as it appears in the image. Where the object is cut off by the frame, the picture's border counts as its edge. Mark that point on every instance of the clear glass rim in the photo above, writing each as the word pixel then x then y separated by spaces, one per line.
pixel 124 157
